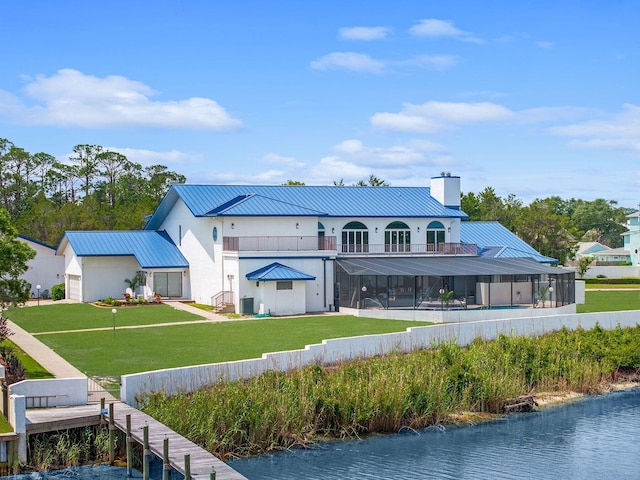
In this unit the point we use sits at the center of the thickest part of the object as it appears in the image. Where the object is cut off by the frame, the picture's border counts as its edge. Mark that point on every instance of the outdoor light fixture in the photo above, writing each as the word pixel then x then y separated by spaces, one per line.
pixel 333 229
pixel 38 288
pixel 297 225
pixel 418 229
pixel 114 311
pixel 233 225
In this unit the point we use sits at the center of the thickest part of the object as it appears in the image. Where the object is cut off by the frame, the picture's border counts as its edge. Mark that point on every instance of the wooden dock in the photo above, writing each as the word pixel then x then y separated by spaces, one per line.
pixel 202 463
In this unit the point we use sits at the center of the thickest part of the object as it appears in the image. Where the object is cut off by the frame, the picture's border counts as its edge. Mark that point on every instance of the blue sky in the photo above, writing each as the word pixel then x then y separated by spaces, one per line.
pixel 531 98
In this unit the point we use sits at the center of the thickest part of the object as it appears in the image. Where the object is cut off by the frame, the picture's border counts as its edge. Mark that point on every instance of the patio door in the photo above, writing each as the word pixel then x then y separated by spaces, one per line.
pixel 168 284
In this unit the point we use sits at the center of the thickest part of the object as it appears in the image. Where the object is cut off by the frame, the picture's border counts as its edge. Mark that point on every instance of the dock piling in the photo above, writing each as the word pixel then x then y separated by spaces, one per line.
pixel 146 452
pixel 112 436
pixel 129 446
pixel 187 466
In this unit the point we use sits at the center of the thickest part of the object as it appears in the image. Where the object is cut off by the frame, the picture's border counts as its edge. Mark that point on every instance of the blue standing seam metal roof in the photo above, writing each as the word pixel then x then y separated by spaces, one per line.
pixel 277 271
pixel 331 201
pixel 496 241
pixel 150 248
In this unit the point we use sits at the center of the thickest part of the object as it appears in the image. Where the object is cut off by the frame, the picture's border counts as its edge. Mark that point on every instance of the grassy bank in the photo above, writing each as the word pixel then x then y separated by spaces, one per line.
pixel 388 393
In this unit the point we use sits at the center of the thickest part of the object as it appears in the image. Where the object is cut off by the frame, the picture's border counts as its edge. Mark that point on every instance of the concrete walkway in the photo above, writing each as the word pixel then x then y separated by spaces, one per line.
pixel 60 368
pixel 45 356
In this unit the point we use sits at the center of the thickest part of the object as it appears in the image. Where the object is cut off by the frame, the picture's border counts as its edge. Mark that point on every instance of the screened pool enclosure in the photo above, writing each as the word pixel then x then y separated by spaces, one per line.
pixel 451 283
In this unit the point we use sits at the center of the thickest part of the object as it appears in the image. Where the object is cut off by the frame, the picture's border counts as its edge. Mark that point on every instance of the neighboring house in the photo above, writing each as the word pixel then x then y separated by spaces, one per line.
pixel 588 249
pixel 294 249
pixel 612 256
pixel 45 269
pixel 632 237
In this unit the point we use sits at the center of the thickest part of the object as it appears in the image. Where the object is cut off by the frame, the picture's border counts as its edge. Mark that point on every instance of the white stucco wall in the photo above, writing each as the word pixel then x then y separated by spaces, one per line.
pixel 58 391
pixel 194 238
pixel 613 272
pixel 45 269
pixel 105 276
pixel 312 292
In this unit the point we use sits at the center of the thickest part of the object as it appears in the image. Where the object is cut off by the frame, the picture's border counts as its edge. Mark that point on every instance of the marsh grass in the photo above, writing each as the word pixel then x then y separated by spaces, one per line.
pixel 392 392
pixel 68 448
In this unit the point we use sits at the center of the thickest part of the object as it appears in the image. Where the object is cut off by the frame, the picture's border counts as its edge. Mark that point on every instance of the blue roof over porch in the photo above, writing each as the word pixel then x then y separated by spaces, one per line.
pixel 276 271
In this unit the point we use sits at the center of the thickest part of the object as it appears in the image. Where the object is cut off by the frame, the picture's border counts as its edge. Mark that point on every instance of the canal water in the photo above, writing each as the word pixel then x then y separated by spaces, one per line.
pixel 594 438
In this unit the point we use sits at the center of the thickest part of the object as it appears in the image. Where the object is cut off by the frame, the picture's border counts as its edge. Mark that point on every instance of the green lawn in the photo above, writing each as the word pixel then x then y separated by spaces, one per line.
pixel 136 350
pixel 611 286
pixel 76 316
pixel 613 300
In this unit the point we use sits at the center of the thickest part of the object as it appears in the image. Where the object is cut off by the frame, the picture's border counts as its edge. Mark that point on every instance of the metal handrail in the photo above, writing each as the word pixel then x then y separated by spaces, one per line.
pixel 224 297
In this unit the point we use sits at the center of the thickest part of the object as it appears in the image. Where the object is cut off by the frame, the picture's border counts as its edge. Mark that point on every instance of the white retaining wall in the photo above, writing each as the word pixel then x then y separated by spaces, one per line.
pixel 189 379
pixel 56 392
pixel 613 271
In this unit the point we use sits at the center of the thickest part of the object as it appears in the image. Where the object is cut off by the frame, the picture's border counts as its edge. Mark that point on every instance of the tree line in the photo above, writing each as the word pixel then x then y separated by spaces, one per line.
pixel 95 189
pixel 552 225
pixel 99 189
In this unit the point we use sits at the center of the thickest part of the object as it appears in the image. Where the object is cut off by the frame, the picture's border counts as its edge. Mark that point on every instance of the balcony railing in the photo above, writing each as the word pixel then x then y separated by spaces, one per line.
pixel 414 248
pixel 300 244
pixel 278 244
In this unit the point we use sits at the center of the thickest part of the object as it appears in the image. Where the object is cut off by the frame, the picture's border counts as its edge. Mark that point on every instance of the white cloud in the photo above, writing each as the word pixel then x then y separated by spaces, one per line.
pixel 434 28
pixel 71 98
pixel 433 116
pixel 352 161
pixel 431 62
pixel 356 62
pixel 364 33
pixel 545 45
pixel 618 131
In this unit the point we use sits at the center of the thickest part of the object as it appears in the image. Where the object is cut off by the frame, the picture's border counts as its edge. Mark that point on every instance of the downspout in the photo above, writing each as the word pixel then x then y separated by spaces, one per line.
pixel 324 282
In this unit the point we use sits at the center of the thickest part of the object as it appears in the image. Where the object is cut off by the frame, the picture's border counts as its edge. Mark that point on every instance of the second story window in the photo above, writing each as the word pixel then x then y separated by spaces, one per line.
pixel 435 236
pixel 397 237
pixel 355 237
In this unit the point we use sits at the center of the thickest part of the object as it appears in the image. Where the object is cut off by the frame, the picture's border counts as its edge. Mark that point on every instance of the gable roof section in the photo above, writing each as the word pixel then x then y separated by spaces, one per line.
pixel 261 200
pixel 496 241
pixel 585 248
pixel 151 249
pixel 277 271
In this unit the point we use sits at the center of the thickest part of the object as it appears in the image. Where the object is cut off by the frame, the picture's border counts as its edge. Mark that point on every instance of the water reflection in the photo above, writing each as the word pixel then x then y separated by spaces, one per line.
pixel 589 439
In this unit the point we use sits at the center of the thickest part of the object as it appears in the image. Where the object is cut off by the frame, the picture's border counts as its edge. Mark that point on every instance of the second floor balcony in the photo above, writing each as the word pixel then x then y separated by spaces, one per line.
pixel 329 244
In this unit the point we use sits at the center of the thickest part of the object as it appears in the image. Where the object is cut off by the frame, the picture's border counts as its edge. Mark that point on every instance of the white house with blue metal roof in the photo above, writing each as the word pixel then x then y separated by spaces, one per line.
pixel 285 250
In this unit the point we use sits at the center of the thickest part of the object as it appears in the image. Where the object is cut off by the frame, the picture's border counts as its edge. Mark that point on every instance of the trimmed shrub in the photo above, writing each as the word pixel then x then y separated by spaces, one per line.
pixel 57 292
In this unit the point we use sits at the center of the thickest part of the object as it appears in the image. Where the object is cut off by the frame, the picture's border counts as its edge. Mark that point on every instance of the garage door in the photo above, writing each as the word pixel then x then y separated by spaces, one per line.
pixel 74 287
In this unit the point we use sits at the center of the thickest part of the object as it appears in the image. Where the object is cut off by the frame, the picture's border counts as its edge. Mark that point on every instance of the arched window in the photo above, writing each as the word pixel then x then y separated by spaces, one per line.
pixel 355 237
pixel 397 237
pixel 435 236
pixel 321 242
